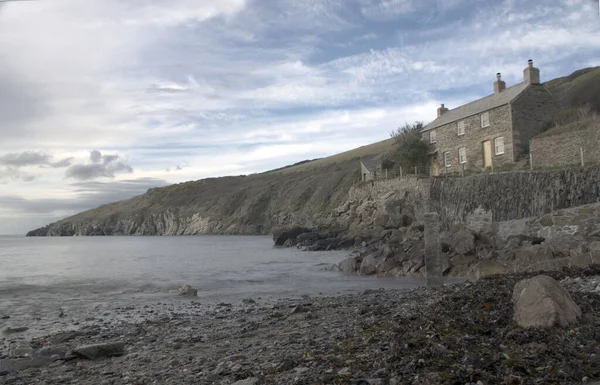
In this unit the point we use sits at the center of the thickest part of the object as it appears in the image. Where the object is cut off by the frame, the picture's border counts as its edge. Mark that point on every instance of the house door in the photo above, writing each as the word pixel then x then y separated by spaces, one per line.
pixel 487 153
pixel 435 171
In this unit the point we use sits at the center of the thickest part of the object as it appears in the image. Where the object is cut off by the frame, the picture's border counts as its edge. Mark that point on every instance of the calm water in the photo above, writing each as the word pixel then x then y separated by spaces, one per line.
pixel 40 277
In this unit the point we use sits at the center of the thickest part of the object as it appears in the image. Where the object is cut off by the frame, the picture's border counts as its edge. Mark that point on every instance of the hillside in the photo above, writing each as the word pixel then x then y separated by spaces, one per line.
pixel 300 194
pixel 229 205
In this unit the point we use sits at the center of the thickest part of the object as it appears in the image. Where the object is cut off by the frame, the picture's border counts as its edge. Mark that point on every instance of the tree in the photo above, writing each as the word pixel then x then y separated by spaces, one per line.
pixel 411 150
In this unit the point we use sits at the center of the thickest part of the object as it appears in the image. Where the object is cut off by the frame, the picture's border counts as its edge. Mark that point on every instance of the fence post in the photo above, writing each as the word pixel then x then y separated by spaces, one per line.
pixel 415 170
pixel 581 151
pixel 530 161
pixel 462 170
pixel 400 171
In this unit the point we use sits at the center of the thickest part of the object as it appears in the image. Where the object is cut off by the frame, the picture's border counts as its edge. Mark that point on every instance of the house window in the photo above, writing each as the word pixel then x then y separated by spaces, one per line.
pixel 432 137
pixel 462 155
pixel 447 159
pixel 485 119
pixel 461 128
pixel 499 146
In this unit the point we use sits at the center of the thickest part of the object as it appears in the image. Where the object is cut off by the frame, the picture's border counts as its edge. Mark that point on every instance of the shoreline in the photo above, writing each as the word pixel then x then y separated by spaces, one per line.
pixel 461 333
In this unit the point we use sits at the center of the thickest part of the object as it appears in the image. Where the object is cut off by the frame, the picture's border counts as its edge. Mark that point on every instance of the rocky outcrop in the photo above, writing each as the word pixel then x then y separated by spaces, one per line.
pixel 188 291
pixel 542 302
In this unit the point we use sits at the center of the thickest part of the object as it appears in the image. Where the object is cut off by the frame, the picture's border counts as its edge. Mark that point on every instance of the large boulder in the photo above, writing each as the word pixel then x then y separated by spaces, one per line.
pixel 462 241
pixel 282 235
pixel 350 265
pixel 541 302
pixel 484 268
pixel 369 265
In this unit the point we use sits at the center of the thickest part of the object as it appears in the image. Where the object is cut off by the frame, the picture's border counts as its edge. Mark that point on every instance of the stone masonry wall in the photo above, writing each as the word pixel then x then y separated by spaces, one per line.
pixel 513 195
pixel 531 111
pixel 449 141
pixel 565 148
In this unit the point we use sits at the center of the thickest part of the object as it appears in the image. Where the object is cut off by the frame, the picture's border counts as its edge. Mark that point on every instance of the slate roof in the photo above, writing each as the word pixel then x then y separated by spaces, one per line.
pixel 370 164
pixel 478 106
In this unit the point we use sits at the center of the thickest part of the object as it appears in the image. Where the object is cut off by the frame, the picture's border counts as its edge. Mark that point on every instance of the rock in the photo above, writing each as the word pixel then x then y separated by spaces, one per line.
pixel 484 268
pixel 386 265
pixel 19 349
pixel 5 317
pixel 247 381
pixel 290 242
pixel 369 265
pixel 307 237
pixel 281 235
pixel 381 219
pixel 350 265
pixel 10 330
pixel 18 365
pixel 542 302
pixel 95 351
pixel 188 291
pixel 60 352
pixel 462 241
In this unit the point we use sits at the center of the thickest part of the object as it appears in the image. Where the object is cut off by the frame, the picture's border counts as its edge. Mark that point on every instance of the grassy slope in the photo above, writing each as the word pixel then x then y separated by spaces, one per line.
pixel 300 191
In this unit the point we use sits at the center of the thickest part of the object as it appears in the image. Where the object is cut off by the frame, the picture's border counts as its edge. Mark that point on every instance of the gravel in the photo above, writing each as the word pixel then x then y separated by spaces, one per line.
pixel 458 334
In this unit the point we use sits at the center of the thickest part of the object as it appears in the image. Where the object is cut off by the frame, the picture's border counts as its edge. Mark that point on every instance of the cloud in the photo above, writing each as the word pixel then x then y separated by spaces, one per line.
pixel 11 165
pixel 100 166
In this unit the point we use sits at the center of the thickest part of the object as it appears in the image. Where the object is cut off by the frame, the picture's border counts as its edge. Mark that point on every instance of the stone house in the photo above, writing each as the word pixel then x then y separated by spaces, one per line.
pixel 369 169
pixel 492 131
pixel 568 145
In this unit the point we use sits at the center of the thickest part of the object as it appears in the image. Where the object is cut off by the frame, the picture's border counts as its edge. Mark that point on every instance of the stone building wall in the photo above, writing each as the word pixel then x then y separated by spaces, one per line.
pixel 449 141
pixel 564 149
pixel 531 111
pixel 513 195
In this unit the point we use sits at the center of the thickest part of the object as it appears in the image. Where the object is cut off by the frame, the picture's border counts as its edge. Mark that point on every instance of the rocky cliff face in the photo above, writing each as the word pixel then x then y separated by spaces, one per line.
pixel 231 205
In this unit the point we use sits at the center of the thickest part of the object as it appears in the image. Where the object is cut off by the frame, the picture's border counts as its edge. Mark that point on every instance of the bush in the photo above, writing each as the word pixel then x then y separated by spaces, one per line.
pixel 411 150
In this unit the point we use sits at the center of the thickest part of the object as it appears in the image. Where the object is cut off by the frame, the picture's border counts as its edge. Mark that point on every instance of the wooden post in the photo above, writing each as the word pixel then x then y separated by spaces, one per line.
pixel 462 170
pixel 386 173
pixel 400 171
pixel 415 170
pixel 581 151
pixel 433 248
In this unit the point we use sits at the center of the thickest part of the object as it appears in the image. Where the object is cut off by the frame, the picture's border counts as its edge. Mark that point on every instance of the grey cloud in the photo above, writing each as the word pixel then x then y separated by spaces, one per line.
pixel 95 156
pixel 31 158
pixel 26 158
pixel 102 166
pixel 90 194
pixel 62 163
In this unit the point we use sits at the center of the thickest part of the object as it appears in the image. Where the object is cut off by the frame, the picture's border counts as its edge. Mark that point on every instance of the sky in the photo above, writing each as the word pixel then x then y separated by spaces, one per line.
pixel 101 100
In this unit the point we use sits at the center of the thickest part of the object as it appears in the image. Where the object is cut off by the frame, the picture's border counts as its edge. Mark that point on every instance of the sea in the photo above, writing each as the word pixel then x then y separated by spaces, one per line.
pixel 47 280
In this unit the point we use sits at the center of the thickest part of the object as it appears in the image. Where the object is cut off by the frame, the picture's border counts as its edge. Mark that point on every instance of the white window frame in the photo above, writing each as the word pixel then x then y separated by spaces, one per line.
pixel 432 136
pixel 499 145
pixel 447 159
pixel 485 115
pixel 462 155
pixel 459 125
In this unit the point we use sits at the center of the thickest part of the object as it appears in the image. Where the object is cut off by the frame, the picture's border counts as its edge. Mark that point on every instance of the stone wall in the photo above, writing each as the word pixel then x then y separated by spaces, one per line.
pixel 513 195
pixel 531 111
pixel 554 149
pixel 449 141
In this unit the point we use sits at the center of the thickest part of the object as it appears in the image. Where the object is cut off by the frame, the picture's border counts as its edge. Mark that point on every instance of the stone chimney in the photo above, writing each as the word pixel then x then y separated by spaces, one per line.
pixel 531 75
pixel 441 110
pixel 499 85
